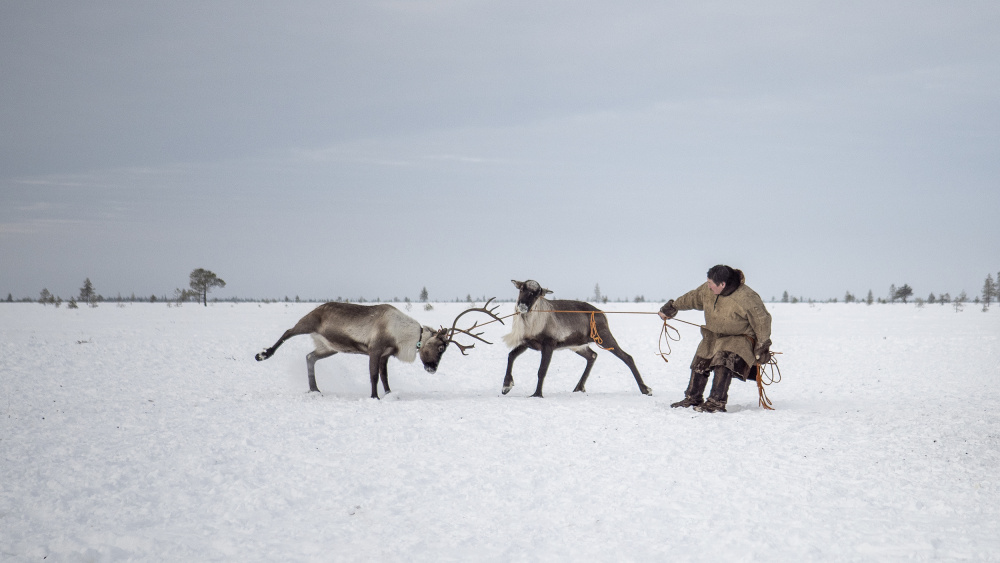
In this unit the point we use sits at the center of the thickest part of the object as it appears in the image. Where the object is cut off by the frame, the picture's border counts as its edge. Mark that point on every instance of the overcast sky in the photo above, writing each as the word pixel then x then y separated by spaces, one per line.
pixel 347 149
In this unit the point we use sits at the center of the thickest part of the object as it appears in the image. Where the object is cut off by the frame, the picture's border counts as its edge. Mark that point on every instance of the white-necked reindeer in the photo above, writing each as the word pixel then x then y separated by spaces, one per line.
pixel 536 328
pixel 379 331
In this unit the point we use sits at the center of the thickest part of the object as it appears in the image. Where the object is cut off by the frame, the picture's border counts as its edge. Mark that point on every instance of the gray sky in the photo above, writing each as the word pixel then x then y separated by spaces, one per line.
pixel 352 149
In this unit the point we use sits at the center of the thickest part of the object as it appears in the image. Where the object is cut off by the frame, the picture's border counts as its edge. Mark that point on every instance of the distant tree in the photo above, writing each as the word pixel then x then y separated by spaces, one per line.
pixel 10 298
pixel 202 281
pixel 71 304
pixel 784 297
pixel 423 295
pixel 959 301
pixel 849 297
pixel 45 297
pixel 58 302
pixel 87 293
pixel 944 298
pixel 428 307
pixel 184 295
pixel 989 292
pixel 904 292
pixel 640 298
pixel 892 293
pixel 468 298
pixel 596 298
pixel 931 299
pixel 870 299
pixel 152 298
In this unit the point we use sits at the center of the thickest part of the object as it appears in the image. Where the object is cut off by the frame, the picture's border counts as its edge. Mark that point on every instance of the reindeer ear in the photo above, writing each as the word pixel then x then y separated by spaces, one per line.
pixel 517 284
pixel 442 333
pixel 547 291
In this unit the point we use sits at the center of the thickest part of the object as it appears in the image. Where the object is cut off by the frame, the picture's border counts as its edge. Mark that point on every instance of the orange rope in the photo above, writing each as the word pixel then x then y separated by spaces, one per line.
pixel 666 338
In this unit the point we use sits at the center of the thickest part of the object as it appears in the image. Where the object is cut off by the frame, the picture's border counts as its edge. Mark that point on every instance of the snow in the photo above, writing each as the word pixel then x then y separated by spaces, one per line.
pixel 148 432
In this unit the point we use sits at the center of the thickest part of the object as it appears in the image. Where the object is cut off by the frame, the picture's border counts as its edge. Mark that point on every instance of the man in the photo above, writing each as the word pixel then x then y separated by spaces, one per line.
pixel 736 336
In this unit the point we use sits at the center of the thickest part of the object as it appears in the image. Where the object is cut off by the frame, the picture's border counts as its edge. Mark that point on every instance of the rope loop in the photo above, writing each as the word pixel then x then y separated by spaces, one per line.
pixel 593 332
pixel 771 363
pixel 665 338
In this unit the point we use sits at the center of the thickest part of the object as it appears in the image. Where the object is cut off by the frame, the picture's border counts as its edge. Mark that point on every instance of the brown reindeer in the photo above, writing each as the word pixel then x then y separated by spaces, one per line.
pixel 378 331
pixel 536 328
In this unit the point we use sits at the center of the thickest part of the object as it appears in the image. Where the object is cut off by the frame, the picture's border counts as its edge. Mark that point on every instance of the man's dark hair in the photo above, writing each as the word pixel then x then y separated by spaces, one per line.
pixel 720 273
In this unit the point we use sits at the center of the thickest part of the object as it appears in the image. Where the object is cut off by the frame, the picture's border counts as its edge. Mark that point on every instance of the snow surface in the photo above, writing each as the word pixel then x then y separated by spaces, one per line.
pixel 148 432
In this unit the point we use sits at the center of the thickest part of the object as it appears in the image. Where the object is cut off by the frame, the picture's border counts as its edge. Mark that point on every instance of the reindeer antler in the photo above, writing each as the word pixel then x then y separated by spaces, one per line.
pixel 468 331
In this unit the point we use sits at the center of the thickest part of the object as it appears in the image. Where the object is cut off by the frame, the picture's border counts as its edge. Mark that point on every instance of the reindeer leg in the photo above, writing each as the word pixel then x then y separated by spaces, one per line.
pixel 383 370
pixel 508 380
pixel 543 368
pixel 609 342
pixel 374 361
pixel 311 367
pixel 268 352
pixel 590 356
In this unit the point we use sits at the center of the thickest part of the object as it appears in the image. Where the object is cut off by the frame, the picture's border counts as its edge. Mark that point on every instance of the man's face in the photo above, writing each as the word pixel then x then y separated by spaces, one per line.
pixel 716 289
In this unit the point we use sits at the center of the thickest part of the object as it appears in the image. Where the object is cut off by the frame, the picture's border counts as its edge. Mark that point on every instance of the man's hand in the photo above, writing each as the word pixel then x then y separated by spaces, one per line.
pixel 668 311
pixel 763 352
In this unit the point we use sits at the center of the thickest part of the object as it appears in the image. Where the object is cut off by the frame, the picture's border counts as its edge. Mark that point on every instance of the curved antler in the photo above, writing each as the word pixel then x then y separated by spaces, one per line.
pixel 468 331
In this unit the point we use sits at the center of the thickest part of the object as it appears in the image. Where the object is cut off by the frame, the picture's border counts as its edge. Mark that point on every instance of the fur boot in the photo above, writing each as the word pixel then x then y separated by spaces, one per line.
pixel 720 392
pixel 694 392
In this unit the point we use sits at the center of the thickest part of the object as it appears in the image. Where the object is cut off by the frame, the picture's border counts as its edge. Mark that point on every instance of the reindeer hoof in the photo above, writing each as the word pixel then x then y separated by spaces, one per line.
pixel 579 389
pixel 647 390
pixel 261 356
pixel 506 388
pixel 539 395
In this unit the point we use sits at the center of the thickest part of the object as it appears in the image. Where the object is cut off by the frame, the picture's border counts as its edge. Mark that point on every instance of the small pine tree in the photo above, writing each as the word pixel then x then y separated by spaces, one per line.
pixel 596 298
pixel 10 298
pixel 892 293
pixel 870 299
pixel 989 292
pixel 931 299
pixel 904 292
pixel 959 301
pixel 423 295
pixel 784 297
pixel 45 297
pixel 87 293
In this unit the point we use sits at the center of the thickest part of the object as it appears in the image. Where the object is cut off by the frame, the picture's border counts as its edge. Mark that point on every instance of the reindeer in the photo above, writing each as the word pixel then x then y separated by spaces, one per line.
pixel 536 328
pixel 379 331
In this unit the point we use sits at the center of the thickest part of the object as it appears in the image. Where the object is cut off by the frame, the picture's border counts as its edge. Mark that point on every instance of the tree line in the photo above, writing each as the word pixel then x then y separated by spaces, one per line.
pixel 202 282
pixel 990 292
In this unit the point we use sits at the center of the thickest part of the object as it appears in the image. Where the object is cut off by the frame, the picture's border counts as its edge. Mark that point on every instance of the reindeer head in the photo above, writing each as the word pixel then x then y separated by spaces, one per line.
pixel 433 348
pixel 530 291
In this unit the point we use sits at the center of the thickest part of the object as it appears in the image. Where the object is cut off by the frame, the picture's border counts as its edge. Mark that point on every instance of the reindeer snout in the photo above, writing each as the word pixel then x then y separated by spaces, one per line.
pixel 522 308
pixel 430 369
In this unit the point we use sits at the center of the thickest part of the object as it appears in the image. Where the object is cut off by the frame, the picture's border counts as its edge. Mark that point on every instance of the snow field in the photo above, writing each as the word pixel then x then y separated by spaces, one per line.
pixel 150 433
